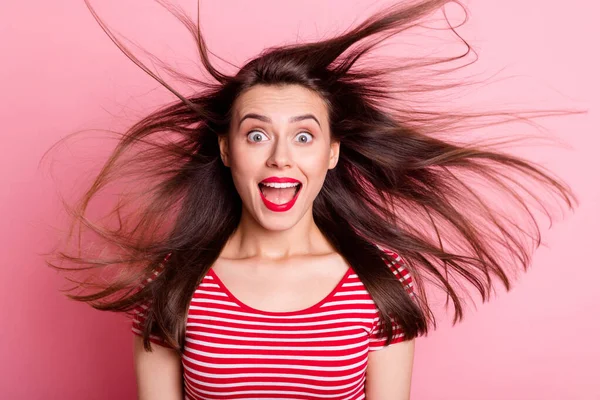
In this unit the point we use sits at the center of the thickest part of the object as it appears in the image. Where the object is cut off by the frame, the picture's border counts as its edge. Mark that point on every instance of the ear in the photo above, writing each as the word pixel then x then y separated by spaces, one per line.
pixel 334 154
pixel 224 149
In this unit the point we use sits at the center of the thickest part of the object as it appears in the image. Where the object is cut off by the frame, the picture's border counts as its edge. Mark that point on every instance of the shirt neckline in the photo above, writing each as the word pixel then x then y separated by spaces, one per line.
pixel 246 307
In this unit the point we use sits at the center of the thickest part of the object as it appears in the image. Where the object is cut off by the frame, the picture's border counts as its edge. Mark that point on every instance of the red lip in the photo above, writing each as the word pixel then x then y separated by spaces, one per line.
pixel 280 207
pixel 276 179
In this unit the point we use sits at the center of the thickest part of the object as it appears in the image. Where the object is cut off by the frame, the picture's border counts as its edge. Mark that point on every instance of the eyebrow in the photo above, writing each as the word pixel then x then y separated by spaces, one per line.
pixel 267 119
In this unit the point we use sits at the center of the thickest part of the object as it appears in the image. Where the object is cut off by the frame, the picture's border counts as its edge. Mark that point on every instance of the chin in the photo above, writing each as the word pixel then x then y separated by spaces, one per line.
pixel 277 223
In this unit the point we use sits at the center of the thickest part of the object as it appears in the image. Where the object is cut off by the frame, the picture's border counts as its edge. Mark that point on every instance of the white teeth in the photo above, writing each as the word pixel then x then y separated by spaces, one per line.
pixel 280 185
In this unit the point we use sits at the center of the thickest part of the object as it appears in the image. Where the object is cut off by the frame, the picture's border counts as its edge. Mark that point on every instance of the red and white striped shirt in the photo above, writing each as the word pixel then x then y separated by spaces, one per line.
pixel 233 351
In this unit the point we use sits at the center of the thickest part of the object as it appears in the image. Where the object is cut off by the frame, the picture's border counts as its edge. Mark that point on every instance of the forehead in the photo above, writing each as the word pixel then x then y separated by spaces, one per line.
pixel 280 101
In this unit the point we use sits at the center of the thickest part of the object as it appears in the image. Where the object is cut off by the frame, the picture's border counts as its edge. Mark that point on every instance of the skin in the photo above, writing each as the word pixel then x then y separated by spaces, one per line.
pixel 280 255
pixel 159 374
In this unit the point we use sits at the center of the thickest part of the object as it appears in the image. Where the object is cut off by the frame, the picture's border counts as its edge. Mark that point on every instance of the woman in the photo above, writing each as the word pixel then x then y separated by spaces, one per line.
pixel 295 215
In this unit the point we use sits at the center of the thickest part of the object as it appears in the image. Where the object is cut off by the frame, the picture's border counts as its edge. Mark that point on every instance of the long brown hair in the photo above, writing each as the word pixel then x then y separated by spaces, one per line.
pixel 400 184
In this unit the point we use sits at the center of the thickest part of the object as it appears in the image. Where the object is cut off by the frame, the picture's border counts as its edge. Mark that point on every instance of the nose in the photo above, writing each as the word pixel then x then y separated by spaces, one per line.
pixel 280 156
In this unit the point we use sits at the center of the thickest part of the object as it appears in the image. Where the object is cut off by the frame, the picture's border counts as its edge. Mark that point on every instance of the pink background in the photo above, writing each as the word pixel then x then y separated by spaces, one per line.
pixel 59 73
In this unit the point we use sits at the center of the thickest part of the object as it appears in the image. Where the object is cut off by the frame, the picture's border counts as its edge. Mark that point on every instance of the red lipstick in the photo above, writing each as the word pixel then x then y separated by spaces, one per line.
pixel 276 179
pixel 280 207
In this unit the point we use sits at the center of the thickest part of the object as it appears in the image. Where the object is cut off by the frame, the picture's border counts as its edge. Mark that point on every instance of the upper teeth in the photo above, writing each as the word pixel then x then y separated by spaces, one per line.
pixel 281 185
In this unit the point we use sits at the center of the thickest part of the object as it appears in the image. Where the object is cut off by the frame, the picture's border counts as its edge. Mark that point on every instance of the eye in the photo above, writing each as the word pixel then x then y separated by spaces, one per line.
pixel 256 136
pixel 304 137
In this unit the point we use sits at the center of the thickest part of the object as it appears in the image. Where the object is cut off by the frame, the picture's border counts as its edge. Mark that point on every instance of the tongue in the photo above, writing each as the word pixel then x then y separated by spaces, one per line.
pixel 278 196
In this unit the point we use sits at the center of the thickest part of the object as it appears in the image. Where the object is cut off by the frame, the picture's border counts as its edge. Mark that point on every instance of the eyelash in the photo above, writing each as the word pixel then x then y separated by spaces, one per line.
pixel 299 133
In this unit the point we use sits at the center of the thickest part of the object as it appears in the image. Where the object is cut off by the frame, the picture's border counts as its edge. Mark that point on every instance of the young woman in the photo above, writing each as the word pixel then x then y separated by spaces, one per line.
pixel 293 216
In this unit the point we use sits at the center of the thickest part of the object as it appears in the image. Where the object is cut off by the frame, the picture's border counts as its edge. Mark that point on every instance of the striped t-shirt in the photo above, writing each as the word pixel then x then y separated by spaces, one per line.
pixel 233 351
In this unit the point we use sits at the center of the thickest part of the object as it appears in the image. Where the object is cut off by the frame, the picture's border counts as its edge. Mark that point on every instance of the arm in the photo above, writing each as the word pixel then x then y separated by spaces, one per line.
pixel 389 372
pixel 159 373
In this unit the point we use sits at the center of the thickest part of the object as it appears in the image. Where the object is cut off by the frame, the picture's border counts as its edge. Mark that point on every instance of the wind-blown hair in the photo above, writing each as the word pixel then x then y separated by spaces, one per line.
pixel 455 212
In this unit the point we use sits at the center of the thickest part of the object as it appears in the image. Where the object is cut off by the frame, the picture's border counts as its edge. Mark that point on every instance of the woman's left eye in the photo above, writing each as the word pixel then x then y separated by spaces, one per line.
pixel 304 137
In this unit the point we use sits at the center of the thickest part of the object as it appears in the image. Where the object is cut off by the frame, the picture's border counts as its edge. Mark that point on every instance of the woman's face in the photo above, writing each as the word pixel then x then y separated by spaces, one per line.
pixel 279 149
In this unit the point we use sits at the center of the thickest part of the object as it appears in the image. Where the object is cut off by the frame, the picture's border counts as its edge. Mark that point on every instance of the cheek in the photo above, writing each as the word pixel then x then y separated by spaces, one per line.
pixel 242 166
pixel 242 161
pixel 316 166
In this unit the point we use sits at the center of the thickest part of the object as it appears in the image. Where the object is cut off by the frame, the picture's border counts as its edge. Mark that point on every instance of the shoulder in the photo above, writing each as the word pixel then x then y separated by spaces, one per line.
pixel 156 271
pixel 141 309
pixel 399 268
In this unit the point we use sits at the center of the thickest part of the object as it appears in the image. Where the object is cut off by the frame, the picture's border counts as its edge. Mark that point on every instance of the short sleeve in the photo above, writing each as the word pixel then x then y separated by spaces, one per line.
pixel 398 267
pixel 140 311
pixel 137 322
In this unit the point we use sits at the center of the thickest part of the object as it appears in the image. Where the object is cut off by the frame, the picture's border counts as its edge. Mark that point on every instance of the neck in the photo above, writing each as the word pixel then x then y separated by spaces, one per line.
pixel 252 240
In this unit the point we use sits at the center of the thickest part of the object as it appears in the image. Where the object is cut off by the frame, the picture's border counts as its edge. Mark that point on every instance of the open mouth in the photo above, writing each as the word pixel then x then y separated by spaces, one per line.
pixel 279 196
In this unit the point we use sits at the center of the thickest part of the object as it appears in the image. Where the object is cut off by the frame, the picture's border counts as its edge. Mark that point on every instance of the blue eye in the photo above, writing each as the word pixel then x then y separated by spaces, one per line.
pixel 304 137
pixel 256 136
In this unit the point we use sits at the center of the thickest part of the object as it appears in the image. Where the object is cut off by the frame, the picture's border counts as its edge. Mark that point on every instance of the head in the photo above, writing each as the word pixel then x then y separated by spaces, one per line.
pixel 284 123
pixel 279 149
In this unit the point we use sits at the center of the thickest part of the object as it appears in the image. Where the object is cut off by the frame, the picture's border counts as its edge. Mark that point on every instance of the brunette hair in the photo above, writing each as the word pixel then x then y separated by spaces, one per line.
pixel 401 183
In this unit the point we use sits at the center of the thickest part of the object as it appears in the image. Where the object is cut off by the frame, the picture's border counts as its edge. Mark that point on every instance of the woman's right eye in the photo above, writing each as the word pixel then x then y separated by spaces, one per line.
pixel 256 136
